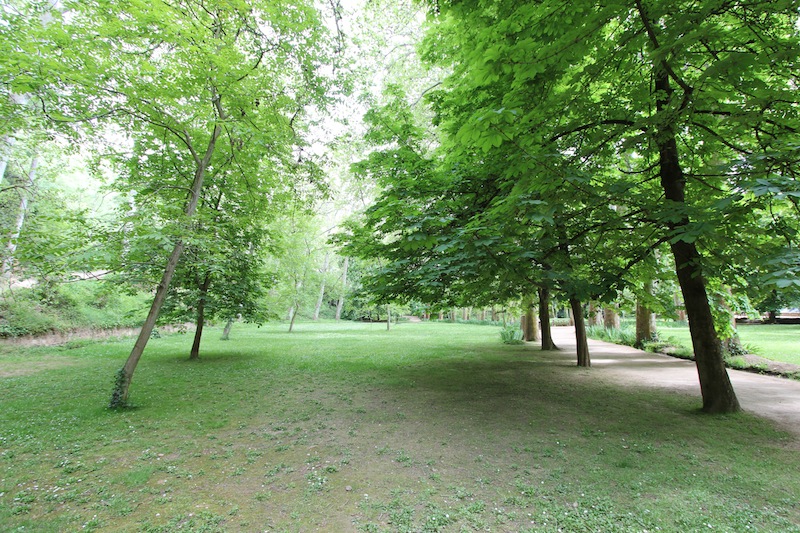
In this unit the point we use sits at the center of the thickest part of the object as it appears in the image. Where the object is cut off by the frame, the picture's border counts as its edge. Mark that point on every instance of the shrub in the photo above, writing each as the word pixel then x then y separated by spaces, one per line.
pixel 511 335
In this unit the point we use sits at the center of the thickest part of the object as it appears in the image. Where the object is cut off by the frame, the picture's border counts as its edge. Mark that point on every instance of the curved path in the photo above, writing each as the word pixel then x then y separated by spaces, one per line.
pixel 771 397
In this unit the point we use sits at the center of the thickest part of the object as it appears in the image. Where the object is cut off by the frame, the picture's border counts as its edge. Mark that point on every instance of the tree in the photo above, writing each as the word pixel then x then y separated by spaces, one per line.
pixel 193 84
pixel 683 94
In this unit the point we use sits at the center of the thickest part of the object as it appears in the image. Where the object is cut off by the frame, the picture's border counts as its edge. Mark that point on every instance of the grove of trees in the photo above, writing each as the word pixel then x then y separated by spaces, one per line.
pixel 254 160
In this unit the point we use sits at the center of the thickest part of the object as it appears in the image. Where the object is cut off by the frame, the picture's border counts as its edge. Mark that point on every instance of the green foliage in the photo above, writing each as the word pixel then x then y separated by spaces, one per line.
pixel 512 335
pixel 118 391
pixel 61 307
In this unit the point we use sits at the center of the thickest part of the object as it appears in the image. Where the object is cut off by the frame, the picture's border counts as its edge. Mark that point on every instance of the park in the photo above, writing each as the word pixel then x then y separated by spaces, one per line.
pixel 350 427
pixel 399 265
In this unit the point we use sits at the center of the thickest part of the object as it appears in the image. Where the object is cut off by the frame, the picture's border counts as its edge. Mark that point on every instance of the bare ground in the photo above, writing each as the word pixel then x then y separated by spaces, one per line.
pixel 775 398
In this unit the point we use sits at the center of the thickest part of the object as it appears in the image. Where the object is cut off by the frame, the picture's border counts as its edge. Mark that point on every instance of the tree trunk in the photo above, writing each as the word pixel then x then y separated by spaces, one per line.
pixel 119 396
pixel 582 345
pixel 680 308
pixel 388 317
pixel 595 315
pixel 715 386
pixel 530 320
pixel 321 288
pixel 494 314
pixel 293 312
pixel 544 315
pixel 441 315
pixel 22 212
pixel 645 318
pixel 731 342
pixel 611 317
pixel 226 332
pixel 201 318
pixel 340 303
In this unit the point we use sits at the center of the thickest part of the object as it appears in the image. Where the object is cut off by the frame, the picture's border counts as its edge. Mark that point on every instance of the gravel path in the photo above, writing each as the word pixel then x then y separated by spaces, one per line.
pixel 775 398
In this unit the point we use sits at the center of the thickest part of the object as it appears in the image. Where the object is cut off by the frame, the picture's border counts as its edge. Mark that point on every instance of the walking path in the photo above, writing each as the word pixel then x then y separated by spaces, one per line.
pixel 775 398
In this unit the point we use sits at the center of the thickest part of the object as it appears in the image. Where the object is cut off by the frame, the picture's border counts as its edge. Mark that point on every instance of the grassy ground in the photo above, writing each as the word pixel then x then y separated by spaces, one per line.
pixel 779 342
pixel 348 427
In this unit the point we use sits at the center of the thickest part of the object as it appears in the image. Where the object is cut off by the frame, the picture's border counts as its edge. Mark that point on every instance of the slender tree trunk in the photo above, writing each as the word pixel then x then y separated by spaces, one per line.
pixel 201 318
pixel 388 317
pixel 340 303
pixel 22 212
pixel 321 288
pixel 292 317
pixel 494 314
pixel 582 344
pixel 226 332
pixel 715 385
pixel 544 315
pixel 119 397
pixel 645 318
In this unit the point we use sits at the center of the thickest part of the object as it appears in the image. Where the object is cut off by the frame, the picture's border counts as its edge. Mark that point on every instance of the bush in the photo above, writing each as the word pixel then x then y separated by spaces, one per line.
pixel 86 304
pixel 511 335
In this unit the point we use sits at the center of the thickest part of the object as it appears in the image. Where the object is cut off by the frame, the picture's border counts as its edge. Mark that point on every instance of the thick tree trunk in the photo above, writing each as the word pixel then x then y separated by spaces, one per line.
pixel 611 317
pixel 226 332
pixel 595 315
pixel 645 318
pixel 544 316
pixel 715 385
pixel 680 308
pixel 119 396
pixel 582 344
pixel 494 313
pixel 530 320
pixel 201 317
pixel 731 342
pixel 340 303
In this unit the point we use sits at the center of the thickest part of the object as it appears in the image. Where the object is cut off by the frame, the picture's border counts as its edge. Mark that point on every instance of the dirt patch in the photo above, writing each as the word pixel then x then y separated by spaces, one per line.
pixel 769 396
pixel 10 369
pixel 760 365
pixel 59 338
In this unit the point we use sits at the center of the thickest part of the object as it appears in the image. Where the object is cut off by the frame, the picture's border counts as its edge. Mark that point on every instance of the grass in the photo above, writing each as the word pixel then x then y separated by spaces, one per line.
pixel 348 427
pixel 778 342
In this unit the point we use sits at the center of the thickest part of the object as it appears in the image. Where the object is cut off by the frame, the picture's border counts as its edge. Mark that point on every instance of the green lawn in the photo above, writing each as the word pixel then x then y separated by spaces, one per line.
pixel 348 427
pixel 779 342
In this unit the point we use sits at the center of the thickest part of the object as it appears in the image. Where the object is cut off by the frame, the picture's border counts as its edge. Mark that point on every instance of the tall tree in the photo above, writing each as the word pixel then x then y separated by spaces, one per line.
pixel 192 83
pixel 689 95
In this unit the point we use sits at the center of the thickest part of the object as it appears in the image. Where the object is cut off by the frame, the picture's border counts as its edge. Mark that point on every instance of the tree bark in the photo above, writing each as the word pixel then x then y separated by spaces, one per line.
pixel 388 317
pixel 340 303
pixel 530 320
pixel 22 212
pixel 582 344
pixel 494 314
pixel 119 397
pixel 201 318
pixel 226 332
pixel 595 315
pixel 321 288
pixel 715 386
pixel 611 317
pixel 544 315
pixel 645 318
